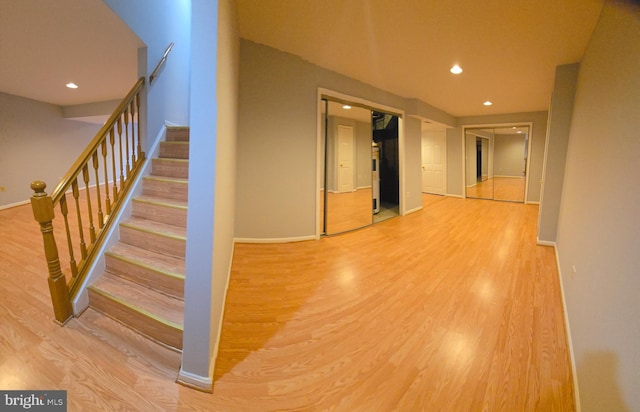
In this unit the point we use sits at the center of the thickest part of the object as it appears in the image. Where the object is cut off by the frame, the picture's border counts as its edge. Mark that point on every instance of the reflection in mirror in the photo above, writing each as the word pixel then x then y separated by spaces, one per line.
pixel 496 163
pixel 348 168
pixel 510 163
pixel 478 166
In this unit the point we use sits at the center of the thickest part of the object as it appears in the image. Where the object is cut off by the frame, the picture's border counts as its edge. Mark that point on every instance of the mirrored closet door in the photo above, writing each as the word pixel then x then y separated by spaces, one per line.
pixel 496 163
pixel 360 156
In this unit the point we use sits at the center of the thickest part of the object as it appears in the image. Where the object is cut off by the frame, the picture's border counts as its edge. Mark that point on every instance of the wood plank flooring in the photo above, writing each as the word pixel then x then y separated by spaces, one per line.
pixel 451 308
pixel 499 188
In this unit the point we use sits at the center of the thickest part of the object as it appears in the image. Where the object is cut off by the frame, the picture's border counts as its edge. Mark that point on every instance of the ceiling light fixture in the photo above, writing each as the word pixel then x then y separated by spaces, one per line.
pixel 456 69
pixel 487 103
pixel 346 107
pixel 72 85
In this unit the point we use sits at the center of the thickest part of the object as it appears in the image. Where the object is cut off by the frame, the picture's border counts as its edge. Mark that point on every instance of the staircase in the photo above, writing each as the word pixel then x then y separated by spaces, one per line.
pixel 143 284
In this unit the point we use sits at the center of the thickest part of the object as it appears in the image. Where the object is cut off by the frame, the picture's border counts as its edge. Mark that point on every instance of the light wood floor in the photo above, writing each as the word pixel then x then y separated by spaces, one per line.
pixel 349 210
pixel 451 308
pixel 499 188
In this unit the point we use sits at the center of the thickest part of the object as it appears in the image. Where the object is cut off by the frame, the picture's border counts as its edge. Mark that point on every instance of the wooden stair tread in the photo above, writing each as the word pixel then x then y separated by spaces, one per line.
pixel 167 179
pixel 168 264
pixel 160 200
pixel 171 160
pixel 164 308
pixel 177 133
pixel 152 226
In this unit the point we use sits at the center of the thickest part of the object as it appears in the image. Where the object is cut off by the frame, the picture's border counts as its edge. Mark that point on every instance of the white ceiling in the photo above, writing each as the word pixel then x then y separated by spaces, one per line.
pixel 44 44
pixel 508 49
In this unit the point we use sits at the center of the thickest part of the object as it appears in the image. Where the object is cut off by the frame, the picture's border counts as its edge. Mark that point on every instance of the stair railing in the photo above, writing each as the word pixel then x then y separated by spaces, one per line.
pixel 106 169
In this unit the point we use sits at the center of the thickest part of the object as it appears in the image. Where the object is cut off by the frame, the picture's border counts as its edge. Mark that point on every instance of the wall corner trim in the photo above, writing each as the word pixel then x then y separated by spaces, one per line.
pixel 201 383
pixel 576 392
pixel 548 243
pixel 415 209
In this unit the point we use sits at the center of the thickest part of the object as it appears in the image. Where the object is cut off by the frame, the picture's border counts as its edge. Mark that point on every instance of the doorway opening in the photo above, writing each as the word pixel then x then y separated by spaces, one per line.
pixel 385 139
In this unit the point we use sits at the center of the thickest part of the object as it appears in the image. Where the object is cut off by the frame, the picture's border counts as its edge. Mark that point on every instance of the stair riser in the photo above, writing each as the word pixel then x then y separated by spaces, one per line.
pixel 160 213
pixel 145 276
pixel 178 134
pixel 153 241
pixel 170 190
pixel 168 168
pixel 174 150
pixel 139 321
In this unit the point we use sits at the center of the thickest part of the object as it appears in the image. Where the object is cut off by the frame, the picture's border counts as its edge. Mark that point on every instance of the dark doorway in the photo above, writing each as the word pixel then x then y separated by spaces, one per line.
pixel 385 136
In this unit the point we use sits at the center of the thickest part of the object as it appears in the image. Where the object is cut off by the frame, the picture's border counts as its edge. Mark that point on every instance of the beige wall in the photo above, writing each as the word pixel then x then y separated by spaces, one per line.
pixel 559 126
pixel 599 228
pixel 36 143
pixel 278 142
pixel 412 163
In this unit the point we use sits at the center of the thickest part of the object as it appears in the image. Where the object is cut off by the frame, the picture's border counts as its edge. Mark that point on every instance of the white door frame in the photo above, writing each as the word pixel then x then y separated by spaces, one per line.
pixel 345 98
pixel 492 126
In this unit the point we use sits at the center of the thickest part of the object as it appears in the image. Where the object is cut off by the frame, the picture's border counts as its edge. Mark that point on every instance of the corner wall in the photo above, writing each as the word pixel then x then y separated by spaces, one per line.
pixel 559 127
pixel 598 227
pixel 158 23
pixel 36 143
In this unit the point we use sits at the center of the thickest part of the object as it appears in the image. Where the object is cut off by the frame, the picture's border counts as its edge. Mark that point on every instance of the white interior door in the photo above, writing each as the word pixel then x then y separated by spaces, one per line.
pixel 345 159
pixel 434 155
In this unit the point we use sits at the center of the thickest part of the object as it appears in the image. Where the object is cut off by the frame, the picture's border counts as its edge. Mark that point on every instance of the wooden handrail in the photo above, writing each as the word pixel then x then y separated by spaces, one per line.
pixel 155 71
pixel 88 219
pixel 83 159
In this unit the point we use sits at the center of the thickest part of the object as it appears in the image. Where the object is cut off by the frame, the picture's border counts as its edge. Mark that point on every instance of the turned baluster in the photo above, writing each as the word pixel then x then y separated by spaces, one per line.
pixel 96 166
pixel 113 164
pixel 42 207
pixel 120 149
pixel 65 211
pixel 85 177
pixel 133 134
pixel 126 139
pixel 138 123
pixel 107 201
pixel 76 196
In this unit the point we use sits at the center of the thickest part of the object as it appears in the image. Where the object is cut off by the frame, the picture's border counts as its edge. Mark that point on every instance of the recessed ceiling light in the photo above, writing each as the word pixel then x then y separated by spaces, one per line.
pixel 346 107
pixel 519 131
pixel 487 103
pixel 456 69
pixel 72 85
pixel 513 127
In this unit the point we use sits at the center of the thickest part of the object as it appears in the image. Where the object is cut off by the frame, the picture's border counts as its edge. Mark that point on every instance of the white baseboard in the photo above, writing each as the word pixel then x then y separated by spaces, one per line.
pixel 452 195
pixel 16 204
pixel 533 203
pixel 201 383
pixel 415 209
pixel 274 240
pixel 574 371
pixel 545 243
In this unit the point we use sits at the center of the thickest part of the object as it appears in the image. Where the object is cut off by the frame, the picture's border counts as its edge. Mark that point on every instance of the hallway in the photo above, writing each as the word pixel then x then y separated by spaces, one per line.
pixel 453 307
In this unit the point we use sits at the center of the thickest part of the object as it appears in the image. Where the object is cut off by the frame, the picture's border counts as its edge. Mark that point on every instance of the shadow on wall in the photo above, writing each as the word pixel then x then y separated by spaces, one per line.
pixel 597 377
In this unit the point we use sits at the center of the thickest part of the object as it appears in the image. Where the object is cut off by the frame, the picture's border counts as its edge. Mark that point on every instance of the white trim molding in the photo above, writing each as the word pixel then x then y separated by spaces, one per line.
pixel 274 239
pixel 201 383
pixel 574 372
